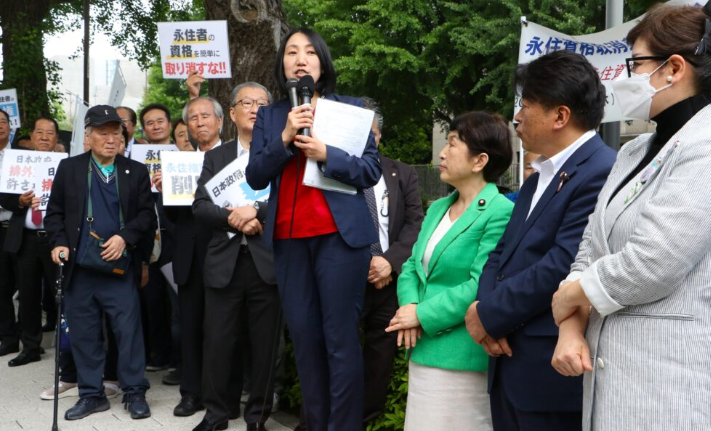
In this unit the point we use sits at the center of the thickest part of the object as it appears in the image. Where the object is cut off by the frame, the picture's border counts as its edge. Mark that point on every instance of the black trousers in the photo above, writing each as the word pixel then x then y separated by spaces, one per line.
pixel 379 348
pixel 68 368
pixel 88 295
pixel 506 417
pixel 191 299
pixel 156 317
pixel 31 263
pixel 9 330
pixel 245 296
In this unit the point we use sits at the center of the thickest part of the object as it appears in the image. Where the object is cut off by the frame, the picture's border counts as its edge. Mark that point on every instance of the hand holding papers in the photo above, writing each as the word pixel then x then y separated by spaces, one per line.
pixel 342 126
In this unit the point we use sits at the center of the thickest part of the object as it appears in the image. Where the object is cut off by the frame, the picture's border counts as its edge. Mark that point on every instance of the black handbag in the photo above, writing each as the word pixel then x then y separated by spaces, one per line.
pixel 91 252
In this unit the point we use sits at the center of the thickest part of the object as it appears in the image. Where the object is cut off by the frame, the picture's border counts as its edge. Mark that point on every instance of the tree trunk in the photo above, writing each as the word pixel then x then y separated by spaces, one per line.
pixel 23 56
pixel 254 28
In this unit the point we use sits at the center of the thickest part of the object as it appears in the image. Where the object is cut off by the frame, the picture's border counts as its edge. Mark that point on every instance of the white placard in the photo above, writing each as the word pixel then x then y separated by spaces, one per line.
pixel 24 170
pixel 229 188
pixel 194 45
pixel 9 104
pixel 149 155
pixel 342 126
pixel 180 171
pixel 605 50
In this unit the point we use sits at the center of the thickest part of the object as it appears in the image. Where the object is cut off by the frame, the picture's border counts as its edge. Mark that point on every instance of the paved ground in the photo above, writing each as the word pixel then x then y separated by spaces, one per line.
pixel 22 409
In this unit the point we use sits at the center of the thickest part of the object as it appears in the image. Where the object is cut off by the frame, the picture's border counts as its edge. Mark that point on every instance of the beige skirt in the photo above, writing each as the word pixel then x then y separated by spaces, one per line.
pixel 439 399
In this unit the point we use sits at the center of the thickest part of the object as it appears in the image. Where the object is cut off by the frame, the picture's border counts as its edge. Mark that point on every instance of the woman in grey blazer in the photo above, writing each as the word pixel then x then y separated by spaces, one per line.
pixel 635 311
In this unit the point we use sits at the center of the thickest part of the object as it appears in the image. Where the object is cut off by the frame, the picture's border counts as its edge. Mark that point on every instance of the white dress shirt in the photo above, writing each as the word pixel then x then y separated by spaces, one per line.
pixel 442 228
pixel 382 200
pixel 547 168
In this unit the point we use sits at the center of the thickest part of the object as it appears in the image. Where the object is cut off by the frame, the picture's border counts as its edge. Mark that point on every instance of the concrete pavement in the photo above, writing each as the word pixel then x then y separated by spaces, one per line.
pixel 22 409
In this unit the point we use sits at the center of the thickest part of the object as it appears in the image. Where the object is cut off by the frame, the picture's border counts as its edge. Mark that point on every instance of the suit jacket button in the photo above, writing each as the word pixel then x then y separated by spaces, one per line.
pixel 500 277
pixel 600 363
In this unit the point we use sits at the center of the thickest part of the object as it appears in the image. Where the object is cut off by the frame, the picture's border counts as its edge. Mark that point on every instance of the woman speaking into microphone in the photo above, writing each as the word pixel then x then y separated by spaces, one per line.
pixel 320 238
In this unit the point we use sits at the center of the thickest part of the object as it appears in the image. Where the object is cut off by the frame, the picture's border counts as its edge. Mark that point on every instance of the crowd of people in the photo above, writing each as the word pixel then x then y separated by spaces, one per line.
pixel 572 304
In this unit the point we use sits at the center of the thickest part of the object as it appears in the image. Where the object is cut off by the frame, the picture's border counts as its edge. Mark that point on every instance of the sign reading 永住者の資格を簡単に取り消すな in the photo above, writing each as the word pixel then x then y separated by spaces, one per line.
pixel 194 45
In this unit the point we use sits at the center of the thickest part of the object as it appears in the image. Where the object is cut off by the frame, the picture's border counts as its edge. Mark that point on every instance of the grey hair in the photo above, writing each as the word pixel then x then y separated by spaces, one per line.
pixel 248 84
pixel 219 113
pixel 372 105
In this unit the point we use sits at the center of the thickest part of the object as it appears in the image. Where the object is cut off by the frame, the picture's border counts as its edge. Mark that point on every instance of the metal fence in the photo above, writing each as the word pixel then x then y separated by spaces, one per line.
pixel 432 188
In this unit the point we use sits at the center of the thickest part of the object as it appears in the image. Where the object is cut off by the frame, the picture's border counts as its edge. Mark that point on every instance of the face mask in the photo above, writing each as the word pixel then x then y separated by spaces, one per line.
pixel 634 94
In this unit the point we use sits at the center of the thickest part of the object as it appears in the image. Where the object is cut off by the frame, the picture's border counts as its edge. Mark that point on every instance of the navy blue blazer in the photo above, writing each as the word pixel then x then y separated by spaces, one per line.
pixel 268 157
pixel 523 272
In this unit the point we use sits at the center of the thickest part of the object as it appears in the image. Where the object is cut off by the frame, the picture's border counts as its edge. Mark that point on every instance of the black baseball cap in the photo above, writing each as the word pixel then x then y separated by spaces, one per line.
pixel 101 114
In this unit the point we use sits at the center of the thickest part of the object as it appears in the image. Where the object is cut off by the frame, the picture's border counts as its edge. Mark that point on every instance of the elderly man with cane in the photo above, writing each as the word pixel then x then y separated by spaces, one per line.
pixel 101 217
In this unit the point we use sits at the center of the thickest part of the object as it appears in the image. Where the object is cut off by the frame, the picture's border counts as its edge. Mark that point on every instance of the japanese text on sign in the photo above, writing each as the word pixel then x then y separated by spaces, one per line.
pixel 181 171
pixel 23 170
pixel 150 155
pixel 194 45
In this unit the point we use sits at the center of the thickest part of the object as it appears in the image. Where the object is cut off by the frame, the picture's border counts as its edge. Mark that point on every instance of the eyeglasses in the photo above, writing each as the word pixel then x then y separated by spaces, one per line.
pixel 247 103
pixel 631 62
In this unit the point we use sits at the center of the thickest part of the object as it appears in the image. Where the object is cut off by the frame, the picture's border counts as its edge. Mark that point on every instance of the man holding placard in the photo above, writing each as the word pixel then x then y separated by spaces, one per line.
pixel 204 117
pixel 26 238
pixel 240 272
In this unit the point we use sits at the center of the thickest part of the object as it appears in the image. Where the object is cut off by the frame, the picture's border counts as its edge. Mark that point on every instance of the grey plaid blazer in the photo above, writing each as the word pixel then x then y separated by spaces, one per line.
pixel 652 354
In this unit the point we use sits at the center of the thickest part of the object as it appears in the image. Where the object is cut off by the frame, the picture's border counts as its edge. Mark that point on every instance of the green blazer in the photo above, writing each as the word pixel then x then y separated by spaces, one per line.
pixel 450 287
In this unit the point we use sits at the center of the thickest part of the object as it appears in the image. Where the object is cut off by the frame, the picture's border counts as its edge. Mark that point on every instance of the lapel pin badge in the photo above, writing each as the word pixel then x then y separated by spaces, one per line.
pixel 564 177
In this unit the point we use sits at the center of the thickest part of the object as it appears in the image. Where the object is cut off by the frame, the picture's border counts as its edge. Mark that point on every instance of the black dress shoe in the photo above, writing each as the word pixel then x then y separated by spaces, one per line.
pixel 172 378
pixel 208 425
pixel 86 406
pixel 7 348
pixel 189 404
pixel 256 426
pixel 136 404
pixel 24 358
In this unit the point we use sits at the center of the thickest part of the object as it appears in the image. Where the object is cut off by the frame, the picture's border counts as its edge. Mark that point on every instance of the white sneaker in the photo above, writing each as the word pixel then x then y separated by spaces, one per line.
pixel 111 389
pixel 65 390
pixel 275 404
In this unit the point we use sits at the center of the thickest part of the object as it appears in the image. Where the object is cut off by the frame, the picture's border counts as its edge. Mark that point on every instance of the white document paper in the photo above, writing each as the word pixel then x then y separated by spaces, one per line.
pixel 342 126
pixel 229 188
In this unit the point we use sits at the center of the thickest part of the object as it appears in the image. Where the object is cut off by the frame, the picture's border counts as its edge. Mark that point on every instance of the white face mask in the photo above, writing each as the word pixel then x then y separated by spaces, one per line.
pixel 634 94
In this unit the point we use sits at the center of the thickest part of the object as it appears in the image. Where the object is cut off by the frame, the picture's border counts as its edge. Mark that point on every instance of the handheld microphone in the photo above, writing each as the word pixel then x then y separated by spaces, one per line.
pixel 292 88
pixel 306 90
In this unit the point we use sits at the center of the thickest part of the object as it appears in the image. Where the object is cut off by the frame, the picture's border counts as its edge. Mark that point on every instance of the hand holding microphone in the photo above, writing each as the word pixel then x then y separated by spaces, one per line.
pixel 300 119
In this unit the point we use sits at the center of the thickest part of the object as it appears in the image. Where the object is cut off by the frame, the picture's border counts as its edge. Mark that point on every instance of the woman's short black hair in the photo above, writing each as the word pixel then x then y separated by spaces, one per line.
pixel 327 82
pixel 564 78
pixel 486 133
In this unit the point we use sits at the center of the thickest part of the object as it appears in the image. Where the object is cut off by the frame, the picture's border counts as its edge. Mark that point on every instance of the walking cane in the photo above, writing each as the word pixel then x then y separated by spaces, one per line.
pixel 57 332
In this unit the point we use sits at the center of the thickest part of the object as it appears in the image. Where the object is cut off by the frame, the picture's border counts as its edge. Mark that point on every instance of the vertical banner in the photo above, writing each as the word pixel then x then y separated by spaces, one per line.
pixel 118 88
pixel 180 170
pixel 77 144
pixel 24 170
pixel 150 155
pixel 194 45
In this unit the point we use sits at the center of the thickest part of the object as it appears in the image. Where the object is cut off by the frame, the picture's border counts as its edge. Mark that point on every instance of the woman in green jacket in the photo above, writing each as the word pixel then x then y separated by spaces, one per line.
pixel 447 371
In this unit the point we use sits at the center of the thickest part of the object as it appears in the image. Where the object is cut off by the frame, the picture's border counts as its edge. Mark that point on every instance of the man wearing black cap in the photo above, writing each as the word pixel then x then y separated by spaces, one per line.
pixel 100 194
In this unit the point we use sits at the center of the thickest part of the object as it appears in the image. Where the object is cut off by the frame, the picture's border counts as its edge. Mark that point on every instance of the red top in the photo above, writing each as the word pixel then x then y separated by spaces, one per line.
pixel 312 215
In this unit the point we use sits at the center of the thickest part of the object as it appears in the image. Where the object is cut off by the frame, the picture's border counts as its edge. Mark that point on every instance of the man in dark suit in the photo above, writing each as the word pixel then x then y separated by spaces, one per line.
pixel 105 194
pixel 512 317
pixel 27 242
pixel 398 217
pixel 204 117
pixel 240 285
